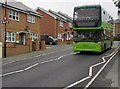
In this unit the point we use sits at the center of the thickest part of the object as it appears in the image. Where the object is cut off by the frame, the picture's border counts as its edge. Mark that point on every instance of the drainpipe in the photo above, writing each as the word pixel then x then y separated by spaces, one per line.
pixel 56 30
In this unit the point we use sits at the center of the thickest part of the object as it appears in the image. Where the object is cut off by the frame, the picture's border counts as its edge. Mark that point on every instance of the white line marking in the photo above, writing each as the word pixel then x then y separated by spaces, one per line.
pixel 8 62
pixel 38 56
pixel 34 65
pixel 77 82
pixel 11 73
pixel 91 67
pixel 34 56
pixel 99 72
pixel 91 70
pixel 31 66
pixel 46 61
pixel 18 71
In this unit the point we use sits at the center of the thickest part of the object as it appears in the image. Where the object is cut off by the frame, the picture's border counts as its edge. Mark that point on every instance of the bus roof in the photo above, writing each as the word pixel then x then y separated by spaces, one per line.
pixel 87 6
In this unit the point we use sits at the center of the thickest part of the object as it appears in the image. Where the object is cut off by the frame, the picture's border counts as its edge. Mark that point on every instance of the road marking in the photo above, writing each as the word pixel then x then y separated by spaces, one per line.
pixel 37 56
pixel 92 80
pixel 91 67
pixel 91 70
pixel 34 56
pixel 46 61
pixel 71 85
pixel 13 61
pixel 31 66
pixel 8 62
pixel 34 65
pixel 14 72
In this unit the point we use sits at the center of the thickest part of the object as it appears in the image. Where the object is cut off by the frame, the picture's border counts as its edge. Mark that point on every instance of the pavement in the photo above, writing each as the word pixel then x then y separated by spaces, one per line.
pixel 113 73
pixel 49 49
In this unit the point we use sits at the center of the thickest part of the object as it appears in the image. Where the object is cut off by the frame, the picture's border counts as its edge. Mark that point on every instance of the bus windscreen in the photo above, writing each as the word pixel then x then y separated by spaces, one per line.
pixel 88 35
pixel 86 17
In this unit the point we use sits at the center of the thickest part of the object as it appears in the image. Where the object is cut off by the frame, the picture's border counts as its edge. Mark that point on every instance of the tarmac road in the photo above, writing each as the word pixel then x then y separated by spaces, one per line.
pixel 58 69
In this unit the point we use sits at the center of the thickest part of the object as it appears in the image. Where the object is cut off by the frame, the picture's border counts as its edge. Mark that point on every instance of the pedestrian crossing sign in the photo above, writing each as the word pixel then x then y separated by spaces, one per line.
pixel 5 20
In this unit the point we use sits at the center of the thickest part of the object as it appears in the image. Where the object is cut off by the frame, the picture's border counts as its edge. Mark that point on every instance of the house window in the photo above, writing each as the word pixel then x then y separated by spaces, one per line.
pixel 59 36
pixel 61 24
pixel 34 36
pixel 10 37
pixel 14 15
pixel 70 25
pixel 31 18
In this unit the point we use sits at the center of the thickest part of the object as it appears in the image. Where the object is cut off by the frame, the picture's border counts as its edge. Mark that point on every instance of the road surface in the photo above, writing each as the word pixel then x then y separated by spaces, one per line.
pixel 64 69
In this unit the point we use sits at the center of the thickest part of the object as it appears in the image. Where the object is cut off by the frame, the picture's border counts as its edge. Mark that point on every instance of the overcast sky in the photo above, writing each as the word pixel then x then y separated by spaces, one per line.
pixel 67 6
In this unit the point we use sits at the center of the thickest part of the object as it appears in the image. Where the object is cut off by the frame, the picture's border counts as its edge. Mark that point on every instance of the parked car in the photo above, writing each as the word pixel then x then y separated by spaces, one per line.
pixel 49 40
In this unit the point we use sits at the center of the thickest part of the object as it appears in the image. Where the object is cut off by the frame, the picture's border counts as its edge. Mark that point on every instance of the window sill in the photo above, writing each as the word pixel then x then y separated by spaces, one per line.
pixel 14 19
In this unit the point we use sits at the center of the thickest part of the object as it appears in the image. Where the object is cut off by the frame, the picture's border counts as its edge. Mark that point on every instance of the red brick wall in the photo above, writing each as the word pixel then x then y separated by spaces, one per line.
pixel 18 49
pixel 62 29
pixel 48 24
pixel 117 28
pixel 17 26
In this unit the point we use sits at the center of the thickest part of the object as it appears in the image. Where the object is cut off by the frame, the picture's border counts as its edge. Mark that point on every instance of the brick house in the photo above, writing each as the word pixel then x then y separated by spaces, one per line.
pixel 53 23
pixel 64 26
pixel 68 25
pixel 117 27
pixel 23 29
pixel 48 22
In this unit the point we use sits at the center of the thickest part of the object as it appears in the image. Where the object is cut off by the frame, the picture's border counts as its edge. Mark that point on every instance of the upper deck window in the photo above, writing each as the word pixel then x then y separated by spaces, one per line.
pixel 85 14
pixel 87 17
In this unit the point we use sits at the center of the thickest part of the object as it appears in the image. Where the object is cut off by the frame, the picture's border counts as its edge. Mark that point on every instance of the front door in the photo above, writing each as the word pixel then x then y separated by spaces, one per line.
pixel 22 38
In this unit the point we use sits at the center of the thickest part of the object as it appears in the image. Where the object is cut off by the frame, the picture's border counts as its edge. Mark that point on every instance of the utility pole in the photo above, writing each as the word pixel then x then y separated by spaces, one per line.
pixel 5 29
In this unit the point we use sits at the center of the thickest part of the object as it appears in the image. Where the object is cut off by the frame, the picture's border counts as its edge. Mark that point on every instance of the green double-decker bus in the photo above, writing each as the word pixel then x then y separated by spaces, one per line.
pixel 92 29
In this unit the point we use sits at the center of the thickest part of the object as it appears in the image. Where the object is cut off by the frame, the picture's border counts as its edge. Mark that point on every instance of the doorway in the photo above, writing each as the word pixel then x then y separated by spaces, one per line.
pixel 22 38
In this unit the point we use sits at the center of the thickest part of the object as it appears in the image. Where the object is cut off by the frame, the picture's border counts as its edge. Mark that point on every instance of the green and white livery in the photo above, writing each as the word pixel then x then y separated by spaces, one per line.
pixel 92 29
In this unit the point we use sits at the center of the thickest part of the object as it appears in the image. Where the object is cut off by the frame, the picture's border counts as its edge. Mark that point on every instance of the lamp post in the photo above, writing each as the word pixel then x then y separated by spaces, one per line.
pixel 5 29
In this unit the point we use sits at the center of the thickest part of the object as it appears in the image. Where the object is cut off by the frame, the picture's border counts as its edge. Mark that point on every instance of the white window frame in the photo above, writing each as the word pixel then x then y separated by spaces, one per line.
pixel 59 36
pixel 10 36
pixel 61 24
pixel 31 18
pixel 14 15
pixel 34 36
pixel 70 25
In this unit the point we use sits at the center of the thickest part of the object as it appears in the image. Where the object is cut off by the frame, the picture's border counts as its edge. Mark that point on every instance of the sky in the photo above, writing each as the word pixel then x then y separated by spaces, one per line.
pixel 67 6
